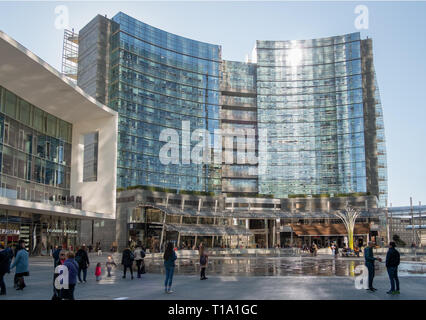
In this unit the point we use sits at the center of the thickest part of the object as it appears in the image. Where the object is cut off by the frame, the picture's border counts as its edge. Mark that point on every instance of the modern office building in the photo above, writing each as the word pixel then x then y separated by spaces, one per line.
pixel 312 123
pixel 408 224
pixel 57 154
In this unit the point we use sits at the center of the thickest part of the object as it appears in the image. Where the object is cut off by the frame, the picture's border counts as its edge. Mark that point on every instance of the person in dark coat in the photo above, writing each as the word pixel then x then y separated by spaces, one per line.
pixel 55 256
pixel 4 268
pixel 127 262
pixel 392 263
pixel 82 260
pixel 369 263
pixel 169 266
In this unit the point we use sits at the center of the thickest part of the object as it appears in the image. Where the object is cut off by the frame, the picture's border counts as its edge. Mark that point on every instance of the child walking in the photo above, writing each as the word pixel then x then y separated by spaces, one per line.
pixel 110 262
pixel 98 272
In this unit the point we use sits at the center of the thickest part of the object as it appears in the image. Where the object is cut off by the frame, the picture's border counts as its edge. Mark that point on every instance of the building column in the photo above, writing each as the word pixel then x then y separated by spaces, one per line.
pixel 266 233
pixel 274 233
pixel 162 231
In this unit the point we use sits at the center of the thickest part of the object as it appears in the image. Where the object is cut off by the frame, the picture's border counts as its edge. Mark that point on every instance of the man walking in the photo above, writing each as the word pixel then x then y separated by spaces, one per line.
pixel 369 263
pixel 127 262
pixel 392 263
pixel 82 260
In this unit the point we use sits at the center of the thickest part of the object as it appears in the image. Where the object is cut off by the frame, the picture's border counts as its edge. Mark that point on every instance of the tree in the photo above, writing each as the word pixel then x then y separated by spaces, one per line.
pixel 348 217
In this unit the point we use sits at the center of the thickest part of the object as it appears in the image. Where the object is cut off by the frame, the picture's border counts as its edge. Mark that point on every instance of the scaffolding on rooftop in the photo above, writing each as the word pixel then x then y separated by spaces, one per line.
pixel 70 55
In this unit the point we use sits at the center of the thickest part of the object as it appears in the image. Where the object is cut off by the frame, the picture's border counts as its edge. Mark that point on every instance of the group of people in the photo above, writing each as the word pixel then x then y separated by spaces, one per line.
pixel 78 264
pixel 20 262
pixel 129 257
pixel 392 263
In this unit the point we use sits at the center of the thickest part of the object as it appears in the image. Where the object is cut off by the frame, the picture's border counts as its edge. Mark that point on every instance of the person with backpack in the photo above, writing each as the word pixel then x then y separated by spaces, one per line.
pixel 139 254
pixel 21 263
pixel 82 260
pixel 392 263
pixel 127 262
pixel 204 259
pixel 169 265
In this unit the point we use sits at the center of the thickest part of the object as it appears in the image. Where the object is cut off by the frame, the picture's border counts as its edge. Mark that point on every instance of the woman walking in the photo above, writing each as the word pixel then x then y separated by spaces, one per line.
pixel 169 265
pixel 204 259
pixel 21 264
pixel 72 265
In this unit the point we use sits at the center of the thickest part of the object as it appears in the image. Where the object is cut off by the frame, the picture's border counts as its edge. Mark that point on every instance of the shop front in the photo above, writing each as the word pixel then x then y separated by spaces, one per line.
pixel 40 232
pixel 323 235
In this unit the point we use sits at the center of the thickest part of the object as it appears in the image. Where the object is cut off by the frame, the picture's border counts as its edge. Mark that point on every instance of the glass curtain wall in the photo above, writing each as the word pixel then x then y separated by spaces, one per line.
pixel 158 80
pixel 35 151
pixel 309 98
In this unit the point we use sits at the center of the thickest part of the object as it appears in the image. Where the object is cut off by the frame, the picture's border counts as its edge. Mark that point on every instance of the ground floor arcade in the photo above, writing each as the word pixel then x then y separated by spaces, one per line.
pixel 153 226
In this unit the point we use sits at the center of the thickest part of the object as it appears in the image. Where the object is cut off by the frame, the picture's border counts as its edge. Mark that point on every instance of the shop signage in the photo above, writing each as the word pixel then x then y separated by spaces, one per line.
pixel 9 231
pixel 62 231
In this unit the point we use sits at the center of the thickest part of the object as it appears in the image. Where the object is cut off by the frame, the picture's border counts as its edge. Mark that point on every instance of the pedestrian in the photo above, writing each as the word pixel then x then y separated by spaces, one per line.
pixel 356 251
pixel 127 262
pixel 4 268
pixel 139 254
pixel 57 293
pixel 369 263
pixel 9 252
pixel 21 264
pixel 98 272
pixel 204 260
pixel 82 259
pixel 110 262
pixel 169 264
pixel 73 267
pixel 99 251
pixel 55 256
pixel 336 251
pixel 392 263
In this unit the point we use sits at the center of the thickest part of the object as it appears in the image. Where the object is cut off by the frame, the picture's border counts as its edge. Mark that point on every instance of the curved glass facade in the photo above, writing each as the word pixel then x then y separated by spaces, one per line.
pixel 317 101
pixel 310 100
pixel 158 80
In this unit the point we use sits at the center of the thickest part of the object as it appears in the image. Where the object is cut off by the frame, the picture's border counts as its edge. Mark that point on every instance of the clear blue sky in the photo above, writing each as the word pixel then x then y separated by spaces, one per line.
pixel 398 30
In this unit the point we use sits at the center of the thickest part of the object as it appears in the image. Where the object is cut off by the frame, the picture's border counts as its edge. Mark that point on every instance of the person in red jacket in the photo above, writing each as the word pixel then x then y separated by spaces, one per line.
pixel 98 271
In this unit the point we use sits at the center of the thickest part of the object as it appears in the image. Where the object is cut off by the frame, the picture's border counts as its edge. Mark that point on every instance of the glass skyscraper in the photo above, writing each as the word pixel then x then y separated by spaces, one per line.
pixel 157 81
pixel 317 100
pixel 310 101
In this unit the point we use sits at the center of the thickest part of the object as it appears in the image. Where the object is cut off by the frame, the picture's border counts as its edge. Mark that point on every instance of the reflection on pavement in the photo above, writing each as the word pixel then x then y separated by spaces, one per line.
pixel 280 266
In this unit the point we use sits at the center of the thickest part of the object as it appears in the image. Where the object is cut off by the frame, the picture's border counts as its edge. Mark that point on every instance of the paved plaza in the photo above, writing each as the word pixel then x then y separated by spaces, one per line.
pixel 217 287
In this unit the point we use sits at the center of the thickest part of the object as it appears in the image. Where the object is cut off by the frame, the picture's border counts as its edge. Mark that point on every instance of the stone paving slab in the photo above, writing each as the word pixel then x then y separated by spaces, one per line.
pixel 189 287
